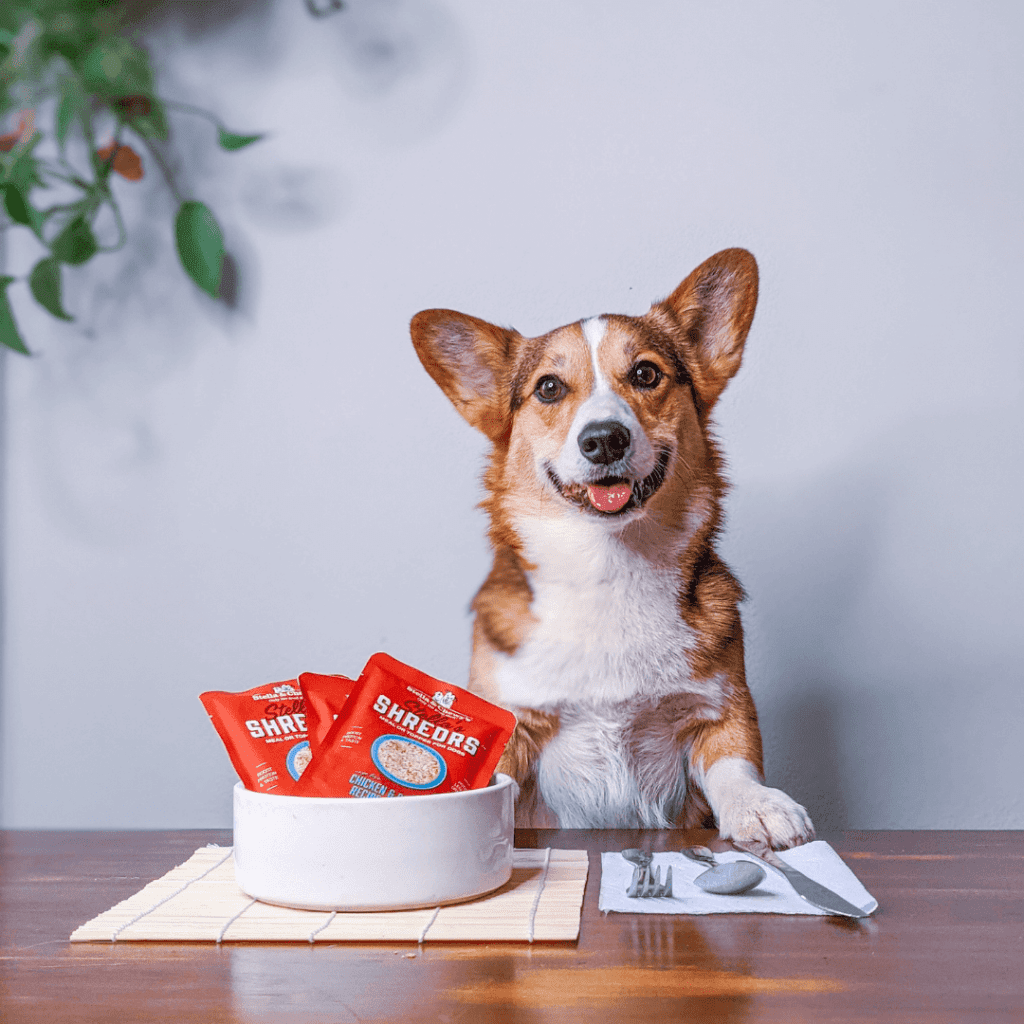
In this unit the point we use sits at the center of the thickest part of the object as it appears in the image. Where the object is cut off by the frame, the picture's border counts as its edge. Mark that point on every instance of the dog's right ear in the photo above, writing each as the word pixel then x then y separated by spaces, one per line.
pixel 469 359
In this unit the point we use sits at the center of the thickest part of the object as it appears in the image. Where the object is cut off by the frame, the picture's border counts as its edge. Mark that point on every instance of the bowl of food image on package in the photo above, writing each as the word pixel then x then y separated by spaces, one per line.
pixel 393 804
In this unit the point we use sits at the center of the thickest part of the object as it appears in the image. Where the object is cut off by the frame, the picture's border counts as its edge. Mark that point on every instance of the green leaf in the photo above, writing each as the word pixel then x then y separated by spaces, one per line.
pixel 117 67
pixel 27 172
pixel 67 108
pixel 45 284
pixel 71 30
pixel 76 243
pixel 231 141
pixel 200 245
pixel 16 204
pixel 19 209
pixel 9 335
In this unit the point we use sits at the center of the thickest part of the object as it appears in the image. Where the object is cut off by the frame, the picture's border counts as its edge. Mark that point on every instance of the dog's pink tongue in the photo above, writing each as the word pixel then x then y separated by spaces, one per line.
pixel 609 499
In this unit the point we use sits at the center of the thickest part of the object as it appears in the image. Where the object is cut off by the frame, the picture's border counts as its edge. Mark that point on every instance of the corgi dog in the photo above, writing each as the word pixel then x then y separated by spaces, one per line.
pixel 608 624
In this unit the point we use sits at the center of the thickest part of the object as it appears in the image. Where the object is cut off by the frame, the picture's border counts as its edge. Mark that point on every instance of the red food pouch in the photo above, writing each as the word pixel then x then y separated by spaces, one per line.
pixel 264 730
pixel 325 696
pixel 402 732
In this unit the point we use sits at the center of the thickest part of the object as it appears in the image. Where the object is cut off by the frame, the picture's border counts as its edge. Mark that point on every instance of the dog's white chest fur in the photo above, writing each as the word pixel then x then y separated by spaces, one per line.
pixel 587 780
pixel 608 632
pixel 608 625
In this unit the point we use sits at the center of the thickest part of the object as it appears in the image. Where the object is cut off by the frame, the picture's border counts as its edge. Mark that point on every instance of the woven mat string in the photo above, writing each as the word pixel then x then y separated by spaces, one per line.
pixel 177 892
pixel 426 927
pixel 540 892
pixel 231 920
pixel 316 931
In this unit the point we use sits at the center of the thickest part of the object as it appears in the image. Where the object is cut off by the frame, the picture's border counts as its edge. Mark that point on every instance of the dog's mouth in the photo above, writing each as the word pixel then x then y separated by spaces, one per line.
pixel 613 495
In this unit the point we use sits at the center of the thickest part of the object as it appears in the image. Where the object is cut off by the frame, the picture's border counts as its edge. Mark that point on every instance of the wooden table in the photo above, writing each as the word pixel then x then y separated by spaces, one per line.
pixel 947 945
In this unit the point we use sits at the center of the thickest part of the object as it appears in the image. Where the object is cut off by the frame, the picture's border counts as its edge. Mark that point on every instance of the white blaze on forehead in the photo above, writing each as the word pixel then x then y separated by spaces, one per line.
pixel 594 331
pixel 603 403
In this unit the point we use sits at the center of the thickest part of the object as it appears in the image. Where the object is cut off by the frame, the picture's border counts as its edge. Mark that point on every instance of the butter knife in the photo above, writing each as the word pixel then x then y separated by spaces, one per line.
pixel 806 888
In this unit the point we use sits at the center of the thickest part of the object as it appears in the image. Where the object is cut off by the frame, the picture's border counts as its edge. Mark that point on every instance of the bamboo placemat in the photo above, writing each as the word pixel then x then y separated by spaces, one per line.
pixel 199 901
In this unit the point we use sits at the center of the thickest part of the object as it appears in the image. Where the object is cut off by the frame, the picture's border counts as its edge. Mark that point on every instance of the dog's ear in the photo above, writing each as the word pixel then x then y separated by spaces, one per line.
pixel 469 359
pixel 713 308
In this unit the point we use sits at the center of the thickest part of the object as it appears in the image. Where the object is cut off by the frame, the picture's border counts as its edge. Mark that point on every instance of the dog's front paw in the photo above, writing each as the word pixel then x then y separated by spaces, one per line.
pixel 765 816
pixel 749 812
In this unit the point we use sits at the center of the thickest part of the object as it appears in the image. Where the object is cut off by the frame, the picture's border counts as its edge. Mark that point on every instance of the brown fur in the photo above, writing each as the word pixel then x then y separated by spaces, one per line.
pixel 661 732
pixel 533 730
pixel 502 605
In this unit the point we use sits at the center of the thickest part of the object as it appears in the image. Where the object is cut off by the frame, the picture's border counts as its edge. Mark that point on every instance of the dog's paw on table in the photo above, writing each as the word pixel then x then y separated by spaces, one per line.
pixel 766 817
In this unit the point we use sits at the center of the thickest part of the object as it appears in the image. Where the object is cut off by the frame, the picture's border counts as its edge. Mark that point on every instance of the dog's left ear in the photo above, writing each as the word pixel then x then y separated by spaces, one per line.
pixel 714 308
pixel 468 358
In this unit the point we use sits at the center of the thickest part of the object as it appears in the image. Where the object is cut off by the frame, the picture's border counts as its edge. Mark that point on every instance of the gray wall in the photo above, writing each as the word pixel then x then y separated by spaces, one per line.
pixel 207 498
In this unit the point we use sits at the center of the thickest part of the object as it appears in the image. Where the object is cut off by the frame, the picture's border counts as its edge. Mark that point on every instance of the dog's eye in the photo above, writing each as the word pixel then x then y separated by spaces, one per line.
pixel 549 389
pixel 645 376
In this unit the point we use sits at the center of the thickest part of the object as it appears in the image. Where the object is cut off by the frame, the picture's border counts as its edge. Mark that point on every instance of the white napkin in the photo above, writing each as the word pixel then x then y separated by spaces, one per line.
pixel 774 895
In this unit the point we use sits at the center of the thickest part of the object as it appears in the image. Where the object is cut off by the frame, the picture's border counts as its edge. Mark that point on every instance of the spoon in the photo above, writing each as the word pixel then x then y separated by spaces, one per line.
pixel 641 858
pixel 729 879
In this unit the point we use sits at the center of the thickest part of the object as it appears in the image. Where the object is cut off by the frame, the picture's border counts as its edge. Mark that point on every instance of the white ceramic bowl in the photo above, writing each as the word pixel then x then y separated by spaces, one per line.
pixel 319 853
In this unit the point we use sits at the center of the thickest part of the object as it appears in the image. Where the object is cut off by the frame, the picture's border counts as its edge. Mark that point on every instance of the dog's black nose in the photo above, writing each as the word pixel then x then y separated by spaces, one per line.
pixel 604 441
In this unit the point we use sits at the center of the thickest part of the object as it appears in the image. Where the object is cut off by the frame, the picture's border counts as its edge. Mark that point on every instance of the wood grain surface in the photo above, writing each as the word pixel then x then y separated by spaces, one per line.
pixel 947 945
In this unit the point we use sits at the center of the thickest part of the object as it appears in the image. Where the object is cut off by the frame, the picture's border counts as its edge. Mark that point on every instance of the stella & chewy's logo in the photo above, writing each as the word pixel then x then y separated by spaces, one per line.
pixel 284 690
pixel 446 700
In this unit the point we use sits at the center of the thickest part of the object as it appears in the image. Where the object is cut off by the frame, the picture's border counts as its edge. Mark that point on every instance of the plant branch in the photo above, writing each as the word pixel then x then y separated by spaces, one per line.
pixel 164 169
pixel 188 108
pixel 122 233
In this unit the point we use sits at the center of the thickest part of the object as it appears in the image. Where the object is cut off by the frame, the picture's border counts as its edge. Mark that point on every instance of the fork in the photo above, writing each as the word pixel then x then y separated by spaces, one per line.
pixel 645 883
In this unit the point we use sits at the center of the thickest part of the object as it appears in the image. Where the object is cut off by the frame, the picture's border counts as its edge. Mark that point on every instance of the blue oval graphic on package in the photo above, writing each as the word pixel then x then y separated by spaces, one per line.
pixel 408 762
pixel 298 758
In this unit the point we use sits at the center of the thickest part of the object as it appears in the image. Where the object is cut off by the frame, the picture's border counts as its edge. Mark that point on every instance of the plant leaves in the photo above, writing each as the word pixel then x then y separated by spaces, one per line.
pixel 200 245
pixel 133 106
pixel 119 71
pixel 117 67
pixel 67 108
pixel 26 172
pixel 16 204
pixel 9 335
pixel 152 124
pixel 71 30
pixel 46 287
pixel 22 177
pixel 230 141
pixel 19 209
pixel 75 244
pixel 125 162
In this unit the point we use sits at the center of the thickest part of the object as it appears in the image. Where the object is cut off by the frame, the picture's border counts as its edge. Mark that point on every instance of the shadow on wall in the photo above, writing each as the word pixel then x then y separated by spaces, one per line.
pixel 807 731
pixel 883 627
pixel 810 549
pixel 146 349
pixel 205 18
pixel 404 61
